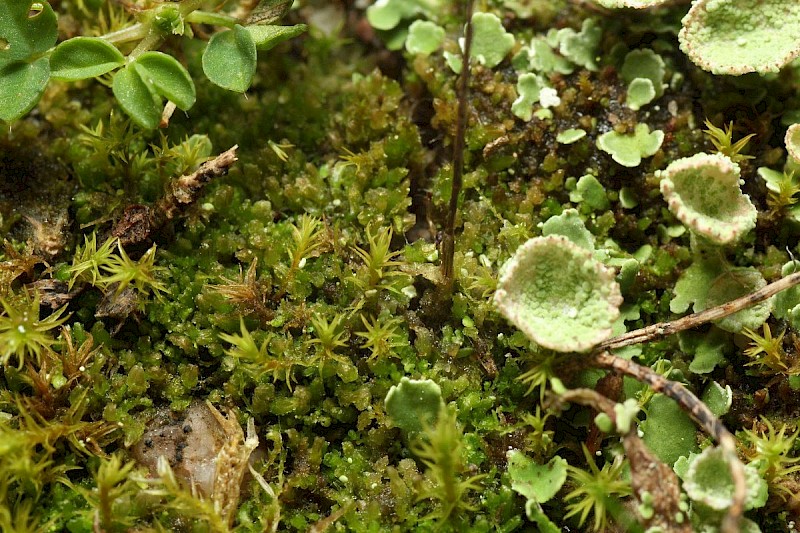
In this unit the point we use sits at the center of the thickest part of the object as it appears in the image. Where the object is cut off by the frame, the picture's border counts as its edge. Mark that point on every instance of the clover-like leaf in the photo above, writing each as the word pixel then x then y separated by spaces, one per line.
pixel 581 47
pixel 570 136
pixel 269 36
pixel 559 295
pixel 167 77
pixel 229 60
pixel 414 404
pixel 646 64
pixel 668 431
pixel 640 92
pixel 739 36
pixel 718 398
pixel 136 97
pixel 703 192
pixel 529 87
pixel 629 149
pixel 787 303
pixel 26 30
pixel 570 225
pixel 84 57
pixel 732 284
pixel 387 14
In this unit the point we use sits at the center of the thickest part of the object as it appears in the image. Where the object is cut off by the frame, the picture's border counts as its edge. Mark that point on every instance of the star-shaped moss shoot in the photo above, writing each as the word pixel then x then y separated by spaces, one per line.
pixel 559 295
pixel 703 192
pixel 740 36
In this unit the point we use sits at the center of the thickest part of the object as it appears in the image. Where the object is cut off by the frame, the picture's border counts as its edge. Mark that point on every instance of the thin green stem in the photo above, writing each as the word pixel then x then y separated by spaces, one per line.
pixel 150 42
pixel 187 6
pixel 214 19
pixel 131 33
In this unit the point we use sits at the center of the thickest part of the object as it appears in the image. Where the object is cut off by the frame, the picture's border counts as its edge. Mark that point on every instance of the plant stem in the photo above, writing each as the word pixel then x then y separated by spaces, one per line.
pixel 187 6
pixel 150 41
pixel 449 238
pixel 131 33
pixel 214 19
pixel 662 329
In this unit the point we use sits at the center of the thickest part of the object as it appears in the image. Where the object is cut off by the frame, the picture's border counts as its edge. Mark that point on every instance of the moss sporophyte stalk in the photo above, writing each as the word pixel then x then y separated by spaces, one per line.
pixel 409 265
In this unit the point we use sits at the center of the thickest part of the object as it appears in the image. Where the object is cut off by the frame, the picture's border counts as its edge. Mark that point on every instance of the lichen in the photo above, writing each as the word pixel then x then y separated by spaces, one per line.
pixel 737 36
pixel 629 149
pixel 703 192
pixel 558 295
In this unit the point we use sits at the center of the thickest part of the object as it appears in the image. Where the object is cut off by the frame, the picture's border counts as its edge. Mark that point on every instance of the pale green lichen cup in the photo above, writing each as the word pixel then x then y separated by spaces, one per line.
pixel 703 192
pixel 559 295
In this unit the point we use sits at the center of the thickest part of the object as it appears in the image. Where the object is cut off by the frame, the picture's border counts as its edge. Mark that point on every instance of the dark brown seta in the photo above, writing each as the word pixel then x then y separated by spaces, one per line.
pixel 449 234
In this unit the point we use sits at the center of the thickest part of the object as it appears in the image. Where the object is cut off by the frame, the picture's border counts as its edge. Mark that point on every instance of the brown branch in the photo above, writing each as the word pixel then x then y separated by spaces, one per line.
pixel 698 411
pixel 663 329
pixel 184 190
pixel 138 222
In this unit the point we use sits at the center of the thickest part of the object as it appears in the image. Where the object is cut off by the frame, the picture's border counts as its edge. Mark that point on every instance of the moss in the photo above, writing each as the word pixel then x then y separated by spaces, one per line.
pixel 305 284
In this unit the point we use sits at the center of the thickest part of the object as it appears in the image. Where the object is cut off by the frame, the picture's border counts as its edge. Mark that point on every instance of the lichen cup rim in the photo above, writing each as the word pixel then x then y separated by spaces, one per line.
pixel 732 48
pixel 736 214
pixel 554 320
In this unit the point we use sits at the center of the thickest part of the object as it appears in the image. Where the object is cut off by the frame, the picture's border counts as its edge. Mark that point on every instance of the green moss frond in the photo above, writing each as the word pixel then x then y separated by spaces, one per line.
pixel 257 360
pixel 87 261
pixel 540 441
pixel 307 238
pixel 14 264
pixel 112 143
pixel 786 194
pixel 246 292
pixel 186 503
pixel 723 141
pixel 141 275
pixel 766 352
pixel 596 491
pixel 441 451
pixel 181 158
pixel 328 337
pixel 772 450
pixel 379 264
pixel 19 514
pixel 381 336
pixel 540 372
pixel 111 497
pixel 22 333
